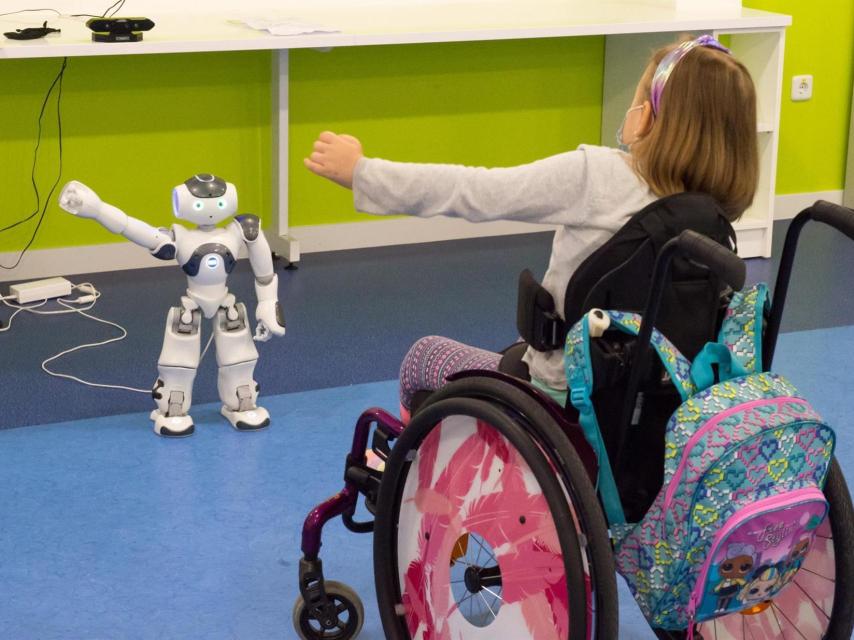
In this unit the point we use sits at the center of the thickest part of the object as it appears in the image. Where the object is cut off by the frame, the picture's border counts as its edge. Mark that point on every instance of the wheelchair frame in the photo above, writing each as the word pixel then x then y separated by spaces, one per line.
pixel 322 601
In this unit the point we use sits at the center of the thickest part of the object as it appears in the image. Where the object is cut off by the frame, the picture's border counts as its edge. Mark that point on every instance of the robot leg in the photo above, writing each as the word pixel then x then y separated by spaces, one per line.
pixel 236 356
pixel 176 370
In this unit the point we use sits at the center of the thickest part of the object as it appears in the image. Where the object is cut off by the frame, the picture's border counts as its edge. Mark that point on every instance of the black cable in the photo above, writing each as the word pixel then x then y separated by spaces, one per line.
pixel 11 13
pixel 122 4
pixel 73 15
pixel 115 7
pixel 57 81
pixel 35 157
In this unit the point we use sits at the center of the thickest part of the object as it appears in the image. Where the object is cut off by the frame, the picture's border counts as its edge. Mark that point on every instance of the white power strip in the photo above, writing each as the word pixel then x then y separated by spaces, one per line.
pixel 40 290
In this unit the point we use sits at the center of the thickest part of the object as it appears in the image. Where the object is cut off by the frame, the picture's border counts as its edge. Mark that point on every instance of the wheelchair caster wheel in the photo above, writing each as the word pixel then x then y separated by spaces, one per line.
pixel 349 608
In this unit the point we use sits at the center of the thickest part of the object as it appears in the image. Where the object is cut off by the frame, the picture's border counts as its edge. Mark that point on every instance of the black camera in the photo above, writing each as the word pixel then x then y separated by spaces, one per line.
pixel 119 29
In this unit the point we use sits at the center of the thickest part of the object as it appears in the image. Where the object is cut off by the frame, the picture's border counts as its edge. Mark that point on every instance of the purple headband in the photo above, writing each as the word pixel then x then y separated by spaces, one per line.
pixel 666 66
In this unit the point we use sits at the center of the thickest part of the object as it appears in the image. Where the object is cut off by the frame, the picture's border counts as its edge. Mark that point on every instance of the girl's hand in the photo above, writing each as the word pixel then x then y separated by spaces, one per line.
pixel 335 157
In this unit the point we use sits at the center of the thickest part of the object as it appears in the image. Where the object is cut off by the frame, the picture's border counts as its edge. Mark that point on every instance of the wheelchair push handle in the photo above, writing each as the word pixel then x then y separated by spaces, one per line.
pixel 839 217
pixel 835 215
pixel 701 249
pixel 694 246
pixel 726 264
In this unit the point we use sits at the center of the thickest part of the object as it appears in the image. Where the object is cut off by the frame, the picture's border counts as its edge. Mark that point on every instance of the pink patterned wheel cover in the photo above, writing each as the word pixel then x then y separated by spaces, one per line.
pixel 799 612
pixel 467 478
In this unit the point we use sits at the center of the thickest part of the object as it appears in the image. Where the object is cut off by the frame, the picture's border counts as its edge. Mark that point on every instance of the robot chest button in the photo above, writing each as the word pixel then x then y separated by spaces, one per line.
pixel 212 255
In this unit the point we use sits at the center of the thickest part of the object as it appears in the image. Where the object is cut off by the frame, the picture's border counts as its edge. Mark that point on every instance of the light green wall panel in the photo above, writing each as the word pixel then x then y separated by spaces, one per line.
pixel 133 127
pixel 814 134
pixel 479 103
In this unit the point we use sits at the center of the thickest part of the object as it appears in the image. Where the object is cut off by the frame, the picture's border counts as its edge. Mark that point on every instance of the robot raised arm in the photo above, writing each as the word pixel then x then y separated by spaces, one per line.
pixel 268 313
pixel 79 200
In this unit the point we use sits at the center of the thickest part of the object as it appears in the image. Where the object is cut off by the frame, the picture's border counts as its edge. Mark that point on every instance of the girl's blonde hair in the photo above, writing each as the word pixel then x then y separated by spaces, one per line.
pixel 703 137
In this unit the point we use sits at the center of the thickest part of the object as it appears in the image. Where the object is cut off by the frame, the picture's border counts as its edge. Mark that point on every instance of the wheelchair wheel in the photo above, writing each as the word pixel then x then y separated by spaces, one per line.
pixel 576 481
pixel 473 535
pixel 820 602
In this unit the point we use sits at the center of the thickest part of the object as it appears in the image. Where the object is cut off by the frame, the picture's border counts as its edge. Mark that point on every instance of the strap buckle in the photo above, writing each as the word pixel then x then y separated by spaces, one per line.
pixel 580 399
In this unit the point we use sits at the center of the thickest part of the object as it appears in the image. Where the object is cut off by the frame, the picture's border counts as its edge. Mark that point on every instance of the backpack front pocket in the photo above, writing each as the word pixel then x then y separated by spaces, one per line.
pixel 757 552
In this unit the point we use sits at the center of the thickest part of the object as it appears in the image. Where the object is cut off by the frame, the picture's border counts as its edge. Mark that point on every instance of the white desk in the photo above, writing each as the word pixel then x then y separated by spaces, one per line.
pixel 632 29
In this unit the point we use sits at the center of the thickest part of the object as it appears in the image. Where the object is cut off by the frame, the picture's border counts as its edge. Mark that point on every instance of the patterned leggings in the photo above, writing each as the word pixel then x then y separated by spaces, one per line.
pixel 431 360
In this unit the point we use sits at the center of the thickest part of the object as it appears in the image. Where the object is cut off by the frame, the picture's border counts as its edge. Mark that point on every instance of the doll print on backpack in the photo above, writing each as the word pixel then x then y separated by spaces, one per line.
pixel 754 571
pixel 732 571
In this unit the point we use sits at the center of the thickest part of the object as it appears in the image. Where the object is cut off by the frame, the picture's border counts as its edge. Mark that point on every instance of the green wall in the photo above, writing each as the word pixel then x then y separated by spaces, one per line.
pixel 479 103
pixel 134 126
pixel 814 134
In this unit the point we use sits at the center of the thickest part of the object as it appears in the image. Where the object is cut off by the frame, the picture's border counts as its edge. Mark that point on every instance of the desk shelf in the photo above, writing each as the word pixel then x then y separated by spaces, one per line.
pixel 382 22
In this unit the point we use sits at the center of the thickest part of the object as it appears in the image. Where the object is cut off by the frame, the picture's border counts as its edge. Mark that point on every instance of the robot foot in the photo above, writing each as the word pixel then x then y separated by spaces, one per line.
pixel 172 427
pixel 250 420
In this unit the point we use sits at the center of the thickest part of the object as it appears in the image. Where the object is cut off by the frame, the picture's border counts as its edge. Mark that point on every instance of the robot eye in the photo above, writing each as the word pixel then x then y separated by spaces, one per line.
pixel 221 204
pixel 198 205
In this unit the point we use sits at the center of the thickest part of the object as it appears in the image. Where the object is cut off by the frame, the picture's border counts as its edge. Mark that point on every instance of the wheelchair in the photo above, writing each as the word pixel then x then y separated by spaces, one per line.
pixel 488 520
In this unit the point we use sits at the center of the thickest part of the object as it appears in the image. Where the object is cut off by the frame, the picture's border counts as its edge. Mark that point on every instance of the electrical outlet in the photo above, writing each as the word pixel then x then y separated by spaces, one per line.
pixel 801 88
pixel 39 290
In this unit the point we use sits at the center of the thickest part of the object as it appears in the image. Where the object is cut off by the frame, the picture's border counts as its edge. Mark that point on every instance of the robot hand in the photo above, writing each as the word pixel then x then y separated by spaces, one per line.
pixel 79 200
pixel 270 320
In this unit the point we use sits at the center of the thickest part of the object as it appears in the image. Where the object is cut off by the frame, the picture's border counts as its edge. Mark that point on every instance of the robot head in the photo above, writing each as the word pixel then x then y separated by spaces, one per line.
pixel 204 199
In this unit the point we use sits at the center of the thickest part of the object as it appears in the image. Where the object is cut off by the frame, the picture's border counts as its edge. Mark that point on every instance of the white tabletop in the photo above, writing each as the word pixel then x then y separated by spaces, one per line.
pixel 380 22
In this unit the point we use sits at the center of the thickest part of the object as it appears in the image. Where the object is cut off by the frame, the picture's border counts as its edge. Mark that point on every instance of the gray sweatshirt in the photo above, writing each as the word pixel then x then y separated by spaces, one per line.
pixel 590 192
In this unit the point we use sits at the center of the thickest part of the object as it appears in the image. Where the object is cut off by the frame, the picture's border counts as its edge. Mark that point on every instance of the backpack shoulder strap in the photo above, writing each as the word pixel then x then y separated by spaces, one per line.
pixel 579 376
pixel 677 365
pixel 741 330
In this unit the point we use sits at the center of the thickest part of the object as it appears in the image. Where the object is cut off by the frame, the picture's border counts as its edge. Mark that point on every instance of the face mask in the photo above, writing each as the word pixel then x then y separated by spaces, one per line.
pixel 622 146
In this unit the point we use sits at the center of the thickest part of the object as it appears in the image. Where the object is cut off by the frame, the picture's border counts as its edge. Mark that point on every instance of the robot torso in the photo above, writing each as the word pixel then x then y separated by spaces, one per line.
pixel 207 256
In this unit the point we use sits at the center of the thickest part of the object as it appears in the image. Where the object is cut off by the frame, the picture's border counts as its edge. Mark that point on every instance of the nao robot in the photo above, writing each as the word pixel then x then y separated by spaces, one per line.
pixel 207 255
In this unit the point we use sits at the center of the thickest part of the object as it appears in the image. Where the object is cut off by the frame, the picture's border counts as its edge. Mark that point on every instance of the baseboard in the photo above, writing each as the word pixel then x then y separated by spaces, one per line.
pixel 65 261
pixel 42 263
pixel 395 231
pixel 789 205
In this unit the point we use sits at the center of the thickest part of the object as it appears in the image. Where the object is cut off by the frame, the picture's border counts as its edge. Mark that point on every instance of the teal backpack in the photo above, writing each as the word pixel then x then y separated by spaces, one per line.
pixel 745 462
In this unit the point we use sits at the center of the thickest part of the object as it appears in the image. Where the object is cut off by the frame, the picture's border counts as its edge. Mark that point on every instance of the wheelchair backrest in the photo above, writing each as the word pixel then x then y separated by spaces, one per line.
pixel 618 274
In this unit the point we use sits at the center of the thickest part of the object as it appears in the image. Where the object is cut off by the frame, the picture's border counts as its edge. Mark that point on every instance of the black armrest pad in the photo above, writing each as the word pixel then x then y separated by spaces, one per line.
pixel 538 323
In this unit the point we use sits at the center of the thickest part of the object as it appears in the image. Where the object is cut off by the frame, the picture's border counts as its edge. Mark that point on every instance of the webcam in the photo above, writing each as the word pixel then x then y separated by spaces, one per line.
pixel 119 29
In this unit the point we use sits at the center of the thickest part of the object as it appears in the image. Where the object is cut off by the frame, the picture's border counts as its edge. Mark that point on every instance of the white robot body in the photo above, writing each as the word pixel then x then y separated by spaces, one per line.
pixel 207 254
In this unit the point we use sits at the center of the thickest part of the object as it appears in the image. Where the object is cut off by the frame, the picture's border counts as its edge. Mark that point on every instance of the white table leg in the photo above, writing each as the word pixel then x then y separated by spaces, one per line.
pixel 278 234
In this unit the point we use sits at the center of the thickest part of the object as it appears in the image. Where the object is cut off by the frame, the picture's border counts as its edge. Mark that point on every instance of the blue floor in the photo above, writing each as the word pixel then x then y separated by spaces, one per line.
pixel 108 532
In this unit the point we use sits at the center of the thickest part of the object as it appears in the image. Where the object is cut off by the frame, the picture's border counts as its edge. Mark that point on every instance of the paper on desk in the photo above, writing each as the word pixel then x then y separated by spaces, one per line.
pixel 287 27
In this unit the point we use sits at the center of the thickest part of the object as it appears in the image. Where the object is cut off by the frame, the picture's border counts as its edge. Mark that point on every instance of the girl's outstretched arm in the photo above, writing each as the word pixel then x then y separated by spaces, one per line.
pixel 555 190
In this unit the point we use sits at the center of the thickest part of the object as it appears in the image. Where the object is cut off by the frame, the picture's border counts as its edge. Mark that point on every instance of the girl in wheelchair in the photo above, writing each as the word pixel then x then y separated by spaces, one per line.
pixel 691 127
pixel 522 482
